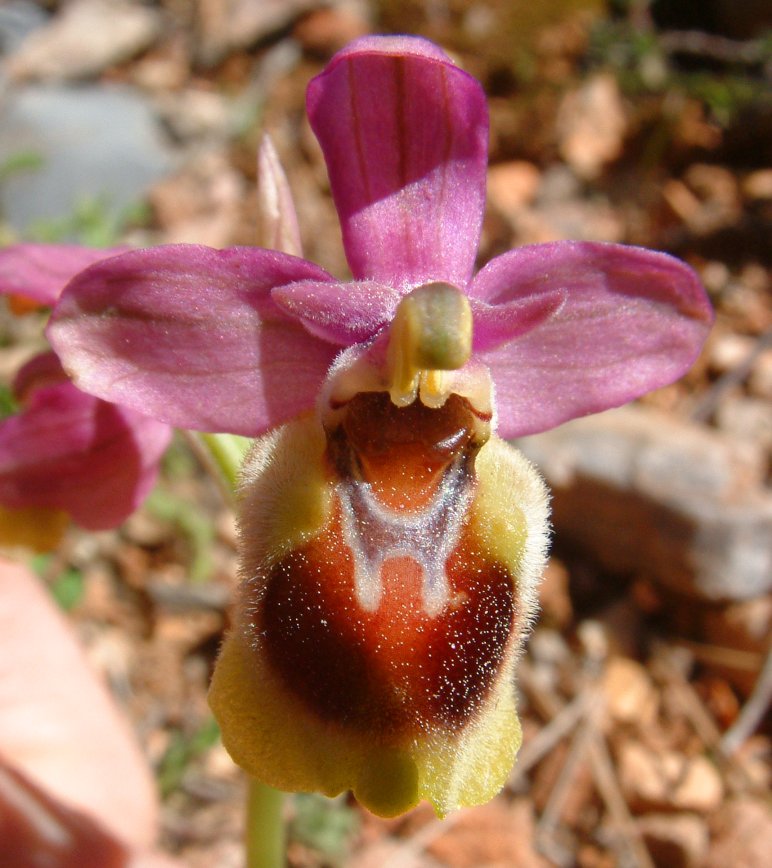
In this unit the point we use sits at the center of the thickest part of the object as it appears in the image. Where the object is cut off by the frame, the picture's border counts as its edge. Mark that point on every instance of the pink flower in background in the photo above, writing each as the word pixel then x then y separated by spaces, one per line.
pixel 66 450
pixel 391 541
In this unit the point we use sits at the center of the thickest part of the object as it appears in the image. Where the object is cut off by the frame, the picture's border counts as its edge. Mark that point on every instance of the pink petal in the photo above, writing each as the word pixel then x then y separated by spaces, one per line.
pixel 189 335
pixel 341 313
pixel 40 272
pixel 45 369
pixel 632 320
pixel 405 136
pixel 500 323
pixel 67 450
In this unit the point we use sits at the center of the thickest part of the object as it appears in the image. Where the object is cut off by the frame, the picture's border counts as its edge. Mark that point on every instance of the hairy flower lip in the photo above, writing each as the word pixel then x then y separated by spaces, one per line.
pixel 454 743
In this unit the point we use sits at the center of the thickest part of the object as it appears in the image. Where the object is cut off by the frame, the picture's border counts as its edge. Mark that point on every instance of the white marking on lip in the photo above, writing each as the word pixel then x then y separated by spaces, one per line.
pixel 375 533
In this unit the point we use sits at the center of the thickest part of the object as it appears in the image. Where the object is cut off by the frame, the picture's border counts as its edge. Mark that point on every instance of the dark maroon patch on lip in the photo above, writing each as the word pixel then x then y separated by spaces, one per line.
pixel 395 670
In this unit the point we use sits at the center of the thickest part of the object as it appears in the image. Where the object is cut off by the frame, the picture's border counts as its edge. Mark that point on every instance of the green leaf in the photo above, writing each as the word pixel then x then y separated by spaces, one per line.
pixel 325 825
pixel 68 589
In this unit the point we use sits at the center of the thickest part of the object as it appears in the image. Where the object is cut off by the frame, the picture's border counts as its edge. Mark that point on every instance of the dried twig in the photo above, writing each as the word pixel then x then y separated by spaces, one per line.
pixel 627 833
pixel 713 47
pixel 700 718
pixel 719 655
pixel 752 712
pixel 550 735
pixel 687 697
pixel 546 838
pixel 207 462
pixel 707 405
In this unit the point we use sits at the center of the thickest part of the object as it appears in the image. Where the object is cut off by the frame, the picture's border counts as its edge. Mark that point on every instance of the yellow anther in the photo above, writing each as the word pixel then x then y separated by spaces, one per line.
pixel 431 332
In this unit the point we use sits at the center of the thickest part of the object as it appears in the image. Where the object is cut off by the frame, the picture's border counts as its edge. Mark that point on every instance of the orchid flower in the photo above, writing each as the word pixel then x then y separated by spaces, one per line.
pixel 66 451
pixel 391 541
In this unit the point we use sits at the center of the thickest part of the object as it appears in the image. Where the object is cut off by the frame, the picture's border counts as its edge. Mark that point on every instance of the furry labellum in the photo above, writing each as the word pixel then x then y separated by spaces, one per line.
pixel 390 548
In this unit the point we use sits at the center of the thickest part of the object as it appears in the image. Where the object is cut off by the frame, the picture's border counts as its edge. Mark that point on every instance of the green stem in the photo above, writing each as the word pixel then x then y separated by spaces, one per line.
pixel 265 827
pixel 264 822
pixel 227 451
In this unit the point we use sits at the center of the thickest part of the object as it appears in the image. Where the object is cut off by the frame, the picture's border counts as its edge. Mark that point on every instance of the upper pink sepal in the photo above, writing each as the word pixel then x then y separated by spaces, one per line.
pixel 341 313
pixel 190 336
pixel 39 272
pixel 405 133
pixel 631 320
pixel 70 451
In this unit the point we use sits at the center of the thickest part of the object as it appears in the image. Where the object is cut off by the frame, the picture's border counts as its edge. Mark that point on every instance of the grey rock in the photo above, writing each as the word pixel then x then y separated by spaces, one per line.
pixel 94 143
pixel 18 18
pixel 645 494
pixel 84 39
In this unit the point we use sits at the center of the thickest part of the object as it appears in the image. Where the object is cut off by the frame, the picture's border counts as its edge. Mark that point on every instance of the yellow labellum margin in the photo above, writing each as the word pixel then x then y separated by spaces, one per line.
pixel 390 551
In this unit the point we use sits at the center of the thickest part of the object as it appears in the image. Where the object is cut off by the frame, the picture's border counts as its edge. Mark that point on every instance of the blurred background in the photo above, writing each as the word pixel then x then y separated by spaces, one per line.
pixel 646 684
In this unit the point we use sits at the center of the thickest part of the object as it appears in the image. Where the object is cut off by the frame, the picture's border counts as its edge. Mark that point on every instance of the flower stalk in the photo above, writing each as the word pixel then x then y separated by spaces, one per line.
pixel 264 835
pixel 265 832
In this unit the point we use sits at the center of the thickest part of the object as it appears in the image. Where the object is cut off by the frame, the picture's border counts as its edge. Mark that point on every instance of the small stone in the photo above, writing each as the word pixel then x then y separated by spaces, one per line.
pixel 707 199
pixel 712 182
pixel 194 115
pixel 746 419
pixel 548 648
pixel 145 529
pixel 562 211
pixel 667 779
pixel 512 186
pixel 591 125
pixel 682 201
pixel 742 835
pixel 629 693
pixel 760 379
pixel 493 834
pixel 580 220
pixel 729 351
pixel 84 39
pixel 758 185
pixel 678 841
pixel 325 31
pixel 715 276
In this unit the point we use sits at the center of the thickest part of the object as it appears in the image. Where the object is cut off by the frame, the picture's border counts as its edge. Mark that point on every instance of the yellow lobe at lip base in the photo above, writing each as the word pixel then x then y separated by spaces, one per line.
pixel 285 490
pixel 276 736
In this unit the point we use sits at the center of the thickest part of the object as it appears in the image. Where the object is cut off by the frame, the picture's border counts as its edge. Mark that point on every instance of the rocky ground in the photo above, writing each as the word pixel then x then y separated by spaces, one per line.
pixel 646 684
